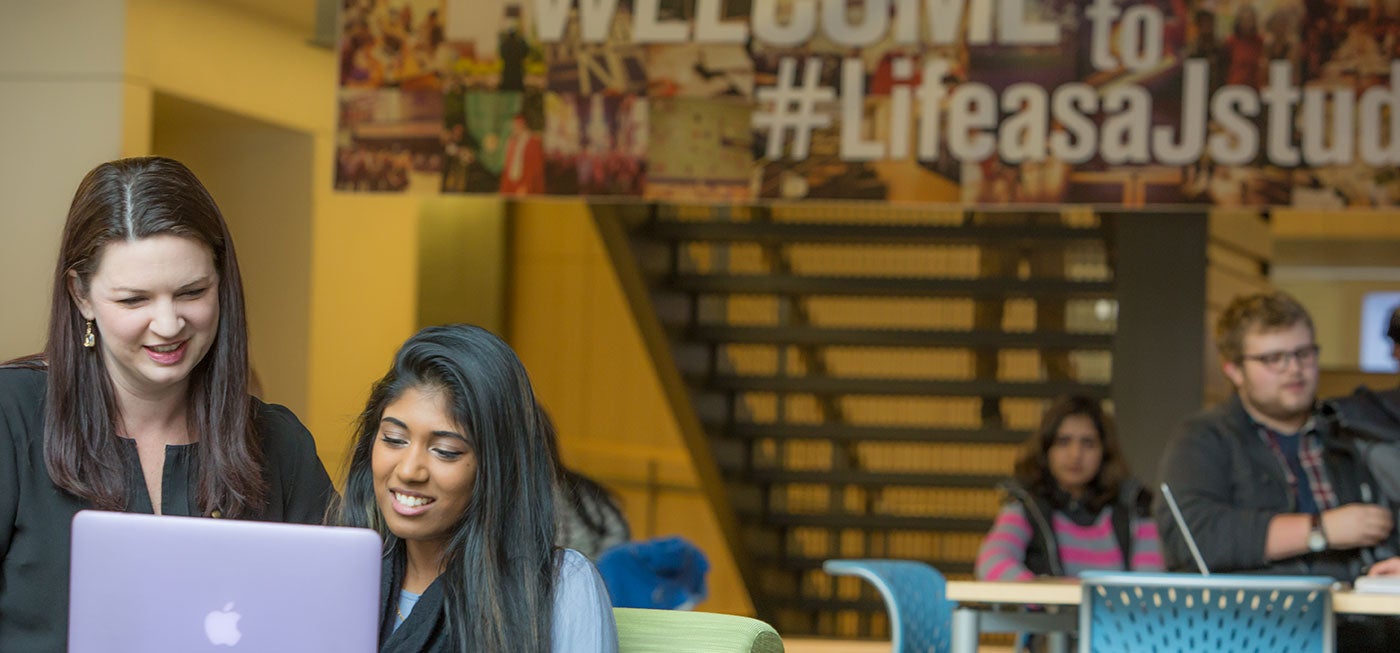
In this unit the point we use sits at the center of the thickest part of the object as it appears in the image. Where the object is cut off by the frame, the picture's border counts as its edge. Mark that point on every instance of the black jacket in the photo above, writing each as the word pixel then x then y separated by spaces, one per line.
pixel 1229 485
pixel 1367 414
pixel 36 517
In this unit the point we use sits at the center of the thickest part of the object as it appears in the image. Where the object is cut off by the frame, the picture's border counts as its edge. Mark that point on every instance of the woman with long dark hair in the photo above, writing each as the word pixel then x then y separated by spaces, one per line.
pixel 453 465
pixel 139 400
pixel 1073 506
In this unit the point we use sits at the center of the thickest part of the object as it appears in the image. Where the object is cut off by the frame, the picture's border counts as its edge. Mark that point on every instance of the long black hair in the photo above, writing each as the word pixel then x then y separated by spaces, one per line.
pixel 128 200
pixel 500 562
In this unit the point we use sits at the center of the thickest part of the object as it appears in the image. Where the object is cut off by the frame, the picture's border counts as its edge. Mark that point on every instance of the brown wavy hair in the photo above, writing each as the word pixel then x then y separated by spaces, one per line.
pixel 1261 311
pixel 128 200
pixel 1032 468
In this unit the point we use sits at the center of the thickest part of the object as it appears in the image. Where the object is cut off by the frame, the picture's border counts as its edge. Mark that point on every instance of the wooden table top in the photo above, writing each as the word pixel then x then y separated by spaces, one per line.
pixel 1066 591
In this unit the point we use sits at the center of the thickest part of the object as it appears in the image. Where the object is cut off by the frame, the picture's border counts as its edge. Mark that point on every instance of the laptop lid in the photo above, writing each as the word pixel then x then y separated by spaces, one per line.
pixel 166 584
pixel 1185 530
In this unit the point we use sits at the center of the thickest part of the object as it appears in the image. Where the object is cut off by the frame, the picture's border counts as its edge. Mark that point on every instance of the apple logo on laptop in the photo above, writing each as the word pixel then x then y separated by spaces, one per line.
pixel 221 626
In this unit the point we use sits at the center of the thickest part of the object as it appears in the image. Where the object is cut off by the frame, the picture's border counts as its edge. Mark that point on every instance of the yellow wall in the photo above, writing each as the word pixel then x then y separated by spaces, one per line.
pixel 462 252
pixel 573 329
pixel 1337 225
pixel 363 302
pixel 363 248
pixel 60 114
pixel 214 54
pixel 271 226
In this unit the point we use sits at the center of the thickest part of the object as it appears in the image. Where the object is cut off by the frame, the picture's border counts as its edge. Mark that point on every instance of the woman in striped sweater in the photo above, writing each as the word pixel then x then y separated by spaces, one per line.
pixel 1074 506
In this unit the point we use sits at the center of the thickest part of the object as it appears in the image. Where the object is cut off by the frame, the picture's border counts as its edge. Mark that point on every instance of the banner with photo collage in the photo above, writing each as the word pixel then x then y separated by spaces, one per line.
pixel 1126 103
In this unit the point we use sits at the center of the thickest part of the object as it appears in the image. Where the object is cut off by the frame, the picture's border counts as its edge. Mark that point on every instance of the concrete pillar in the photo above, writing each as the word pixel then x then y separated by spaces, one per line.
pixel 1158 349
pixel 61 113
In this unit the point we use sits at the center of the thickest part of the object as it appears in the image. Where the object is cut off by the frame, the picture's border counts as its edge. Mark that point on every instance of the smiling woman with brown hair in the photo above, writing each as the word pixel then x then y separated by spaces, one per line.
pixel 455 468
pixel 139 400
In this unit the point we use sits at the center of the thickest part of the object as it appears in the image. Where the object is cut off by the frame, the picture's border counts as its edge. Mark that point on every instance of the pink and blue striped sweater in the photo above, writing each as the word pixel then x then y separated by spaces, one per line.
pixel 1003 553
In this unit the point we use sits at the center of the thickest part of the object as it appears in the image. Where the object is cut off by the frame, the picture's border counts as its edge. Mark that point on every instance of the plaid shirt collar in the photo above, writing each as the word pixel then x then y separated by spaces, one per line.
pixel 1310 450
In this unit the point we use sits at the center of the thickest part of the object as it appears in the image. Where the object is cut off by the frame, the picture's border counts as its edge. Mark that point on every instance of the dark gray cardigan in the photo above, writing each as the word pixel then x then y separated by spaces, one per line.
pixel 1230 484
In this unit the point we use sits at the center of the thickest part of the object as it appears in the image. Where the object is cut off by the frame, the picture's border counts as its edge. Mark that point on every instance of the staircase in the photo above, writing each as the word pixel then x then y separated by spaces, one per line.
pixel 864 374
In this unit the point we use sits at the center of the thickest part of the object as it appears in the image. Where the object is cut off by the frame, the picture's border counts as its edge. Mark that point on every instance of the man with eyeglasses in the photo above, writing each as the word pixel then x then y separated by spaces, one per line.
pixel 1263 484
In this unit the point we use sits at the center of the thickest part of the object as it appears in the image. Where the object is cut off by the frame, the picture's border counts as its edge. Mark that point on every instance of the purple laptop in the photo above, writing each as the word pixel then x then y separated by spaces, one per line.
pixel 165 584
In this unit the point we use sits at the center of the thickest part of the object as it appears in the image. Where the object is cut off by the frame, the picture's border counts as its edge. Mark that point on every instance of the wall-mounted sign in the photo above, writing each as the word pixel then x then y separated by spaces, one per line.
pixel 973 102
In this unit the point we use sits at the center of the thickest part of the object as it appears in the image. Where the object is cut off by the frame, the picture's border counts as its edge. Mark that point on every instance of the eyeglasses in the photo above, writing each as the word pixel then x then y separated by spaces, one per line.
pixel 1277 361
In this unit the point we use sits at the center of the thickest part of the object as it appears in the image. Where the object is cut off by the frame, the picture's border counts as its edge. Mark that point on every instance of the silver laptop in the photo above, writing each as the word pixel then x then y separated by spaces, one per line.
pixel 1185 530
pixel 165 584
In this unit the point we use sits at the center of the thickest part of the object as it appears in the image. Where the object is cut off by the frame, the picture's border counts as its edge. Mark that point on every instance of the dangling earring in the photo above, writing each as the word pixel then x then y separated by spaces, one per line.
pixel 89 338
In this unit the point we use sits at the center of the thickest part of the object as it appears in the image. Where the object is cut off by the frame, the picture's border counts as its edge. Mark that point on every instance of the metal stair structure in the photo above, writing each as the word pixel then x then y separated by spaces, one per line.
pixel 864 375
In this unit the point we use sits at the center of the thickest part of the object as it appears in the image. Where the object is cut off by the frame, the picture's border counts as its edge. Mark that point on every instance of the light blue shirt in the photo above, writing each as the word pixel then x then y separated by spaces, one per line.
pixel 583 616
pixel 407 600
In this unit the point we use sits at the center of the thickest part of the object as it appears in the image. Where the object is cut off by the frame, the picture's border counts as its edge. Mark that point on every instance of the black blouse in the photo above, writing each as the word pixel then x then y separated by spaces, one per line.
pixel 36 516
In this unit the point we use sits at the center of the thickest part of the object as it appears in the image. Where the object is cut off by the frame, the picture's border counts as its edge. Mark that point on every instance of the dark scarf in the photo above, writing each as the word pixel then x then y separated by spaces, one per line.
pixel 425 629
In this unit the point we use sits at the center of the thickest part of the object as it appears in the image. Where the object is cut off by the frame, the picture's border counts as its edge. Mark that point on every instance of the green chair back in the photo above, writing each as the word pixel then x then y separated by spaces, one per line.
pixel 678 631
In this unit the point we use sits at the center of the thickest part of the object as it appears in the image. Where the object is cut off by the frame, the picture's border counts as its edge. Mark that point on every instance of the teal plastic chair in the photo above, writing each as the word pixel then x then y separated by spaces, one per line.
pixel 916 596
pixel 642 630
pixel 1150 612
